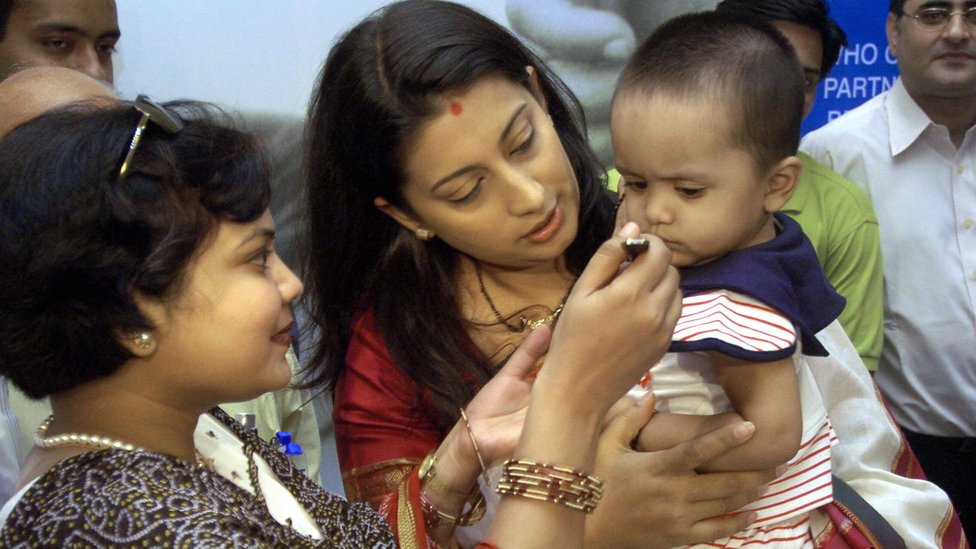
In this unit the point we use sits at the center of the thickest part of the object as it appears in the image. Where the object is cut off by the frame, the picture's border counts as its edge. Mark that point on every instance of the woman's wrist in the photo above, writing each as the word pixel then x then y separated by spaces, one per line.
pixel 558 439
pixel 456 472
pixel 565 403
pixel 449 494
pixel 560 431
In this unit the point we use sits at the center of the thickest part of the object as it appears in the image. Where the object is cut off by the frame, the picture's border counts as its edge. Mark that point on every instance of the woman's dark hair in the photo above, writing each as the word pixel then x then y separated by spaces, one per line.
pixel 78 244
pixel 381 82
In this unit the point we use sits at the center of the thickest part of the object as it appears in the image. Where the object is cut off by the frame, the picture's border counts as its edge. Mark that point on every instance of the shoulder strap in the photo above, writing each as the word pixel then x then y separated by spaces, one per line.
pixel 864 513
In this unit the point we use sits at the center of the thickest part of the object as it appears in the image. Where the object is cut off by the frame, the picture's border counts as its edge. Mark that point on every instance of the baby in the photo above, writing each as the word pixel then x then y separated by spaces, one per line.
pixel 705 121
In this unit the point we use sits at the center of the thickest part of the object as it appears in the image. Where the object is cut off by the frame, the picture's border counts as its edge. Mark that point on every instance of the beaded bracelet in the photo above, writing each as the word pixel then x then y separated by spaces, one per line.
pixel 546 482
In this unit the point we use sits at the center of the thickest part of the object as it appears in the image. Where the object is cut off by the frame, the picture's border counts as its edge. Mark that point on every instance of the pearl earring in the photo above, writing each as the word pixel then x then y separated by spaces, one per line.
pixel 143 340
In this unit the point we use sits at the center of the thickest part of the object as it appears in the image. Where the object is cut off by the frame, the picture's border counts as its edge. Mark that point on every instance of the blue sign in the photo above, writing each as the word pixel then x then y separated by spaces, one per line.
pixel 865 68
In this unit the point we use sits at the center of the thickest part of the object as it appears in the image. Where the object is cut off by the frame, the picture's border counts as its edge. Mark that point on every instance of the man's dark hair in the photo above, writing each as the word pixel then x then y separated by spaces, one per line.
pixel 897 7
pixel 739 63
pixel 6 8
pixel 809 13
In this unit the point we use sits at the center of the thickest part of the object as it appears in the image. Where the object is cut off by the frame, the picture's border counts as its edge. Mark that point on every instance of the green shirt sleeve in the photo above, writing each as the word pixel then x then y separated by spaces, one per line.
pixel 839 220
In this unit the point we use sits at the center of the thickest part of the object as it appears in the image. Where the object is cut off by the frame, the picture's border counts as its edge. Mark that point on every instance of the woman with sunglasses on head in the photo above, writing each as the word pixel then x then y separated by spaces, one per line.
pixel 147 290
pixel 454 202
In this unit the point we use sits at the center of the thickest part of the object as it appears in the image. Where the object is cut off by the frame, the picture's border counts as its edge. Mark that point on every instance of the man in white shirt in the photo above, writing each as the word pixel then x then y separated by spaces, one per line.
pixel 913 150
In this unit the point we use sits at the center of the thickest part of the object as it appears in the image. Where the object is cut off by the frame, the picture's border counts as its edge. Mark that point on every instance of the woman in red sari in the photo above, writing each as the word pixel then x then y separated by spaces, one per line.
pixel 453 202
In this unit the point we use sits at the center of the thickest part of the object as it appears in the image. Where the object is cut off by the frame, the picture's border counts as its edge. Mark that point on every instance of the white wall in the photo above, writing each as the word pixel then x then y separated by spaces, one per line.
pixel 243 54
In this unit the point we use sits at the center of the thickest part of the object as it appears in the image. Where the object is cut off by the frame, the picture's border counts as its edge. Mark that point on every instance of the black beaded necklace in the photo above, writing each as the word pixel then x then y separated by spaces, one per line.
pixel 523 321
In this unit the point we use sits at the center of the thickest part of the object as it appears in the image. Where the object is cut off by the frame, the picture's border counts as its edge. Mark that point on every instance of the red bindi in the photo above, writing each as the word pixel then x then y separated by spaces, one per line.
pixel 456 108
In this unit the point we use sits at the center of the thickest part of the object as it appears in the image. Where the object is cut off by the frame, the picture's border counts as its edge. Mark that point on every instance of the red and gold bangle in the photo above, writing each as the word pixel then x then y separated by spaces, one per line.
pixel 546 482
pixel 477 451
pixel 434 517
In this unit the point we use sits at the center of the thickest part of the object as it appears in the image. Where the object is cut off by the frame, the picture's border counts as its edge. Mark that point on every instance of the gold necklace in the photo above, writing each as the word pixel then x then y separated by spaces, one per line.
pixel 78 439
pixel 523 321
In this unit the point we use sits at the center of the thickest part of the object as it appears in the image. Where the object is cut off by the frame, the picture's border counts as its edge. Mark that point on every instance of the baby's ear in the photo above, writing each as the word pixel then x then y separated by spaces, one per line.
pixel 781 181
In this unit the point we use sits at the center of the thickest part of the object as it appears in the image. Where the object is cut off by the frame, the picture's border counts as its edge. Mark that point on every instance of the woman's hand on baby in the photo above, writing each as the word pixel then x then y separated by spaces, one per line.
pixel 656 499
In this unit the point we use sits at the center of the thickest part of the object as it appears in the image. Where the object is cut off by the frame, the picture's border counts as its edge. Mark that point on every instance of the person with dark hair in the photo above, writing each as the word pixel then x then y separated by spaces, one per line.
pixel 76 34
pixel 833 212
pixel 806 19
pixel 148 290
pixel 453 202
pixel 911 149
pixel 758 316
pixel 123 275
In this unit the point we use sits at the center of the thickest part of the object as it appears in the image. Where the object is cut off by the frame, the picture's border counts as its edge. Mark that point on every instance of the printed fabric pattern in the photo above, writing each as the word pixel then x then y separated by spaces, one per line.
pixel 136 499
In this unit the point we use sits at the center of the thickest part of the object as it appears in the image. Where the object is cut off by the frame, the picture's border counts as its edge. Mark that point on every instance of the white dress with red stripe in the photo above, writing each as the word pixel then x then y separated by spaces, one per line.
pixel 686 383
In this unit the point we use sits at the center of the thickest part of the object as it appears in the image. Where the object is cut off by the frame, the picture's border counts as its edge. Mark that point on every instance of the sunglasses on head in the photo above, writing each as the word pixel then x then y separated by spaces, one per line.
pixel 151 111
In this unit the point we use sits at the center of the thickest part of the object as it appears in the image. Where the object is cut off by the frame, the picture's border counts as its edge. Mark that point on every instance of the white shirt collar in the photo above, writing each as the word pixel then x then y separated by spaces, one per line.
pixel 906 120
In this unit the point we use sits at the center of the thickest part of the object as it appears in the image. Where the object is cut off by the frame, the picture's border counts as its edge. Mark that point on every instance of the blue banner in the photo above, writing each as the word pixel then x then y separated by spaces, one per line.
pixel 865 68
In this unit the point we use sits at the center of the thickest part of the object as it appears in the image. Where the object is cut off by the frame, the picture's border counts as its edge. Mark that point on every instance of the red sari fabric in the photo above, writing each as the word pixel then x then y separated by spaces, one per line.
pixel 382 434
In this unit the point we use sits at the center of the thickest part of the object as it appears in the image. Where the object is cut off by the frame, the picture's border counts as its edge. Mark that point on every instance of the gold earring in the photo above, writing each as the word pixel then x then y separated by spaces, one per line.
pixel 143 340
pixel 423 234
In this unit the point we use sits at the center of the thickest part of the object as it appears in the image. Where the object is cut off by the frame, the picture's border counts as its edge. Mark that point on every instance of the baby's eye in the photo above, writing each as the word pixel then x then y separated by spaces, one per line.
pixel 690 192
pixel 810 82
pixel 636 185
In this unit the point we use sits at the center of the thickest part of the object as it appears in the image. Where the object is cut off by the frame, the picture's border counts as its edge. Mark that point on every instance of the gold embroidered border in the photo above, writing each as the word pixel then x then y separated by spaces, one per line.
pixel 406 527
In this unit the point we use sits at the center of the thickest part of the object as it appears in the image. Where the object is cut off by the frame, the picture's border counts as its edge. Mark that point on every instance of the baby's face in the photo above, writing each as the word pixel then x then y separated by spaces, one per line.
pixel 683 180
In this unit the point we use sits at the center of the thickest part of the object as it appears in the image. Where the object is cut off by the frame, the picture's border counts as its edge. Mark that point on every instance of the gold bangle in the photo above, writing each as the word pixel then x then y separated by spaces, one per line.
pixel 546 482
pixel 434 517
pixel 477 452
pixel 427 474
pixel 474 499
